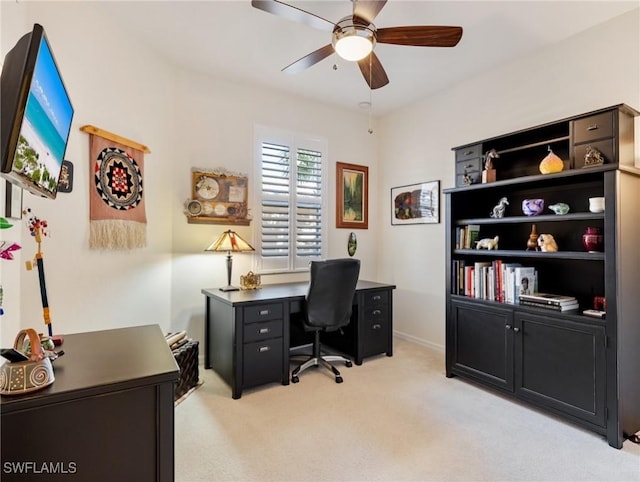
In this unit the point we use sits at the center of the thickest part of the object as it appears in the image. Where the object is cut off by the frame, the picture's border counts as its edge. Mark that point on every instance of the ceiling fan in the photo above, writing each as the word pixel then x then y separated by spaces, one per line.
pixel 355 36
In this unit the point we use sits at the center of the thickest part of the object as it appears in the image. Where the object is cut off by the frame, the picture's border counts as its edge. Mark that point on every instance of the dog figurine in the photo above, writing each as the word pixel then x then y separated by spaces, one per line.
pixel 487 243
pixel 547 243
pixel 498 210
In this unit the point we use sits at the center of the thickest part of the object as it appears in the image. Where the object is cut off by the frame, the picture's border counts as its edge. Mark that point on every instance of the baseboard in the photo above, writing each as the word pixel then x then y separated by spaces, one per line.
pixel 419 341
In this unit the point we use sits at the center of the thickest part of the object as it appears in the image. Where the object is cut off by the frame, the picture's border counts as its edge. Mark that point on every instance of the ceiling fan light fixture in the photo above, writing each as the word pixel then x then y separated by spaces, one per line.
pixel 353 47
pixel 351 41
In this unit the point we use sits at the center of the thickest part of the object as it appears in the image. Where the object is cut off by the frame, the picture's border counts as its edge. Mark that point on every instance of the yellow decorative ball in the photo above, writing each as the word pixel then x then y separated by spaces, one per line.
pixel 551 163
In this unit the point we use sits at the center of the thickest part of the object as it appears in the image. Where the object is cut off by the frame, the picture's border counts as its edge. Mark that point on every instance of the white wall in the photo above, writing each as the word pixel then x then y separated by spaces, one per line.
pixel 597 68
pixel 187 120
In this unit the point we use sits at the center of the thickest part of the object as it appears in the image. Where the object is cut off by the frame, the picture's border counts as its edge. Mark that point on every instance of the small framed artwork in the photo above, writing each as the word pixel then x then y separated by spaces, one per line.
pixel 13 201
pixel 65 183
pixel 416 203
pixel 217 197
pixel 352 196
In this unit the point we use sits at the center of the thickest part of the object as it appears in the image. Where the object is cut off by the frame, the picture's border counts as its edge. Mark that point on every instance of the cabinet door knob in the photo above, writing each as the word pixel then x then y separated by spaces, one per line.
pixel 507 327
pixel 516 329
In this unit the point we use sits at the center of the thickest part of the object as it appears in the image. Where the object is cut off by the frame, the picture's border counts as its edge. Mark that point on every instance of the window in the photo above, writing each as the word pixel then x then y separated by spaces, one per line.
pixel 291 212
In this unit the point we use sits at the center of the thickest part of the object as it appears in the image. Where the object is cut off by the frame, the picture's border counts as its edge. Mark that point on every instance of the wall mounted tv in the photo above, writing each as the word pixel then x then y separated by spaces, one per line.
pixel 36 116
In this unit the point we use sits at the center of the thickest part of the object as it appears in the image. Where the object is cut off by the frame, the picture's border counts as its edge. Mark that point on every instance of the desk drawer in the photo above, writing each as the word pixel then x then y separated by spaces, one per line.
pixel 263 362
pixel 372 298
pixel 468 166
pixel 262 331
pixel 375 335
pixel 468 152
pixel 376 314
pixel 599 126
pixel 253 314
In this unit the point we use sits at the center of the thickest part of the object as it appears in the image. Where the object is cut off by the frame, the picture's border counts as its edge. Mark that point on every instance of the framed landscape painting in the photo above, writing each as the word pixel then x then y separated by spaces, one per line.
pixel 416 203
pixel 352 192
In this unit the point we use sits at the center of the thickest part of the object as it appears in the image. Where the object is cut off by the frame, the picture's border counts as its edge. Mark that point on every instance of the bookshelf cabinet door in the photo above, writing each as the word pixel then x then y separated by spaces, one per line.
pixel 483 343
pixel 560 365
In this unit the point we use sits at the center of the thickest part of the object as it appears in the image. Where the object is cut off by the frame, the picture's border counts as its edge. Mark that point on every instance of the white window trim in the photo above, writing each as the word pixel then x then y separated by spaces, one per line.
pixel 295 141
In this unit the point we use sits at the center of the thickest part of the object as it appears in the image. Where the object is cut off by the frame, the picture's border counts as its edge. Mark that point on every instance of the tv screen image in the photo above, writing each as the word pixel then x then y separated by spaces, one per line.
pixel 43 117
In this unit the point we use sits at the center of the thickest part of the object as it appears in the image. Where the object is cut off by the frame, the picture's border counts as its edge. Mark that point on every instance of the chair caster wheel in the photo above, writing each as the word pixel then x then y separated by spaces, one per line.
pixel 348 364
pixel 338 379
pixel 295 379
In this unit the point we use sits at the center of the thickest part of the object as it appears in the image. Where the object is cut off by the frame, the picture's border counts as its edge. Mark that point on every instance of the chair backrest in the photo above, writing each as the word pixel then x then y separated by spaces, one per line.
pixel 331 289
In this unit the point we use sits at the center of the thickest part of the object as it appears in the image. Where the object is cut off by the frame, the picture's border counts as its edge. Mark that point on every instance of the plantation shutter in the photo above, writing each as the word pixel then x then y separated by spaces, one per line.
pixel 275 222
pixel 308 207
pixel 292 226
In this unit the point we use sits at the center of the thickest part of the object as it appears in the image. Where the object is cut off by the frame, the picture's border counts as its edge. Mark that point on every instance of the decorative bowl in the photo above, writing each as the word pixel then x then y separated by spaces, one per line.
pixel 596 204
pixel 532 207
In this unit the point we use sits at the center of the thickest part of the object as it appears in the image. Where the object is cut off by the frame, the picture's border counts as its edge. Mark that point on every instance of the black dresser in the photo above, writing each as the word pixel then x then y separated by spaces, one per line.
pixel 108 416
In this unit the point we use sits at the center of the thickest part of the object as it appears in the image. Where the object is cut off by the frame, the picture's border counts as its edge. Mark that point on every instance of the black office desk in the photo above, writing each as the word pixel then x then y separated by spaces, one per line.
pixel 108 416
pixel 247 332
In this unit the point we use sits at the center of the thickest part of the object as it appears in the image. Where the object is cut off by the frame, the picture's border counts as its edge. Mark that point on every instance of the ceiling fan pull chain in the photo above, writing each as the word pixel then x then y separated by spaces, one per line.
pixel 370 130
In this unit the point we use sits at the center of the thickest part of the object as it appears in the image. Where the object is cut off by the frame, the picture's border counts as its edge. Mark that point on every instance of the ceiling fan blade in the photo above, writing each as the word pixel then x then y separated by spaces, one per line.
pixel 367 9
pixel 293 13
pixel 309 60
pixel 373 72
pixel 420 36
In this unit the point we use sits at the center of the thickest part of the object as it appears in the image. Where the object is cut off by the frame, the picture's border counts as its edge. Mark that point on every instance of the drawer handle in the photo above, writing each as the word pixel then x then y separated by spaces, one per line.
pixel 376 298
pixel 263 331
pixel 377 312
pixel 264 312
pixel 377 326
pixel 468 166
pixel 468 153
pixel 264 349
pixel 592 127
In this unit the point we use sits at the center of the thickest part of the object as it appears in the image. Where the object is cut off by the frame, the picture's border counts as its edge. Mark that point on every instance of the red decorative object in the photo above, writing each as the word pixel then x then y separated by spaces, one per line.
pixel 593 240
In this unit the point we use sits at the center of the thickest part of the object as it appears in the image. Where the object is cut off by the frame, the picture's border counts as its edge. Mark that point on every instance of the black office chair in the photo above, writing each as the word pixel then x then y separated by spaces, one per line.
pixel 328 307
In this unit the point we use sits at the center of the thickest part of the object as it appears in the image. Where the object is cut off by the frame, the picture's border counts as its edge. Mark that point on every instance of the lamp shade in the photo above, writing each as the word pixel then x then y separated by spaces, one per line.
pixel 230 241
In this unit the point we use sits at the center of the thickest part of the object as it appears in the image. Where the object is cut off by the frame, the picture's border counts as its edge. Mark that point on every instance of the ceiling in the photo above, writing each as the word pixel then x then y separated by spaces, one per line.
pixel 233 40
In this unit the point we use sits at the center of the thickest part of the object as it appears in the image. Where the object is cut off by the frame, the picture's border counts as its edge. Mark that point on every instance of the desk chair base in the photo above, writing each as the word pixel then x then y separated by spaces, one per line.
pixel 317 359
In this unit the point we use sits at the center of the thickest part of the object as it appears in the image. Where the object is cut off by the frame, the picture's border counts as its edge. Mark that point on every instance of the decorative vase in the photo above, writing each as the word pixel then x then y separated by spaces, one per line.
pixel 593 240
pixel 532 207
pixel 532 242
pixel 551 163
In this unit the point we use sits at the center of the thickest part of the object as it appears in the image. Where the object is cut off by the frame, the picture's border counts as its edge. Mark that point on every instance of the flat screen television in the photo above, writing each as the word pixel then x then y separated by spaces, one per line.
pixel 36 116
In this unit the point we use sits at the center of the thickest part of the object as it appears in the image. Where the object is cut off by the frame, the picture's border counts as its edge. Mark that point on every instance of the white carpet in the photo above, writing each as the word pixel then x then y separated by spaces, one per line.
pixel 393 419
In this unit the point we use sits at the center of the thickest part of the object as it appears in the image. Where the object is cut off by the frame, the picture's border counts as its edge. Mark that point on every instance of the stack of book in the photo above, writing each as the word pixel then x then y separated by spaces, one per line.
pixel 549 301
